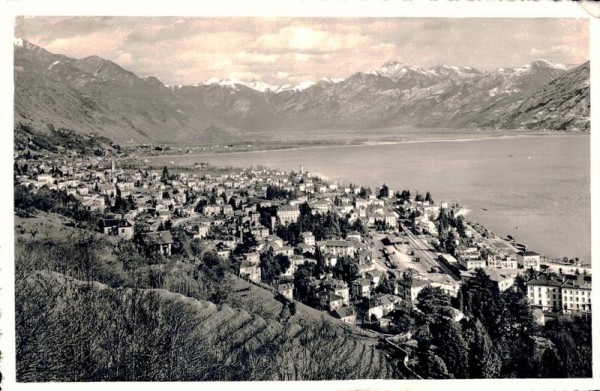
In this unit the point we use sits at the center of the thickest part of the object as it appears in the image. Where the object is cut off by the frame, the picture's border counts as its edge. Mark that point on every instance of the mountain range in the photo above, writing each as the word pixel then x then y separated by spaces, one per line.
pixel 96 95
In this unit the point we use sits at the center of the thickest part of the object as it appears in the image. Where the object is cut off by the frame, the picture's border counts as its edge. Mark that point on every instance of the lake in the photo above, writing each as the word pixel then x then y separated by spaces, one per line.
pixel 535 188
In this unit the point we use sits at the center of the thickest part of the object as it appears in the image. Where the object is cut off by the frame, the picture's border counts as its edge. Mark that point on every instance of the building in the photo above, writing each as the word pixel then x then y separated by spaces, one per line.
pixel 308 238
pixel 330 301
pixel 391 220
pixel 201 230
pixel 501 261
pixel 122 228
pixel 159 242
pixel 340 288
pixel 529 259
pixel 338 247
pixel 409 289
pixel 469 257
pixel 361 203
pixel 346 314
pixel 288 214
pixel 470 264
pixel 361 288
pixel 381 305
pixel 556 293
pixel 576 294
pixel 502 279
pixel 287 290
pixel 250 271
pixel 253 258
pixel 319 207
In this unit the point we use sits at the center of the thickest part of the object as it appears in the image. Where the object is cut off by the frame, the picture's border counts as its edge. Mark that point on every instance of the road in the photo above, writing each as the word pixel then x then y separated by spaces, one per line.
pixel 403 361
pixel 185 220
pixel 377 250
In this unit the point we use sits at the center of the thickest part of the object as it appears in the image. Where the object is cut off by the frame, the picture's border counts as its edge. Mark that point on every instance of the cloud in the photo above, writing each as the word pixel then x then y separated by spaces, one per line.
pixel 243 57
pixel 309 40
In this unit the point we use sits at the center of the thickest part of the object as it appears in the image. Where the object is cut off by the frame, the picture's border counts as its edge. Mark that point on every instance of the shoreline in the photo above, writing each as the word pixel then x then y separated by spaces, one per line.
pixel 368 144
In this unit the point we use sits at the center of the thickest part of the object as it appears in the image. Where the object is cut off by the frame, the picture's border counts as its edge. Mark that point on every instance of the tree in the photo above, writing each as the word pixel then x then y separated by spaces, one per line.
pixel 551 365
pixel 484 362
pixel 165 177
pixel 248 244
pixel 199 208
pixel 272 266
pixel 360 227
pixel 460 227
pixel 345 269
pixel 320 267
pixel 405 195
pixel 387 285
pixel 433 367
pixel 516 319
pixel 481 299
pixel 442 220
pixel 365 192
pixel 419 197
pixel 384 192
pixel 302 279
pixel 572 338
pixel 434 304
pixel 452 348
pixel 428 198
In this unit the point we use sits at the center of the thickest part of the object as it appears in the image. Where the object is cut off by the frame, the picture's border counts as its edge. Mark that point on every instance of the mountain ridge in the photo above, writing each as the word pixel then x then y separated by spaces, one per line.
pixel 96 95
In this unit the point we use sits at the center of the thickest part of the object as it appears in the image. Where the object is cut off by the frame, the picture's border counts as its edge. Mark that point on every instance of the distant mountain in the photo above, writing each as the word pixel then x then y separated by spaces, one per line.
pixel 95 95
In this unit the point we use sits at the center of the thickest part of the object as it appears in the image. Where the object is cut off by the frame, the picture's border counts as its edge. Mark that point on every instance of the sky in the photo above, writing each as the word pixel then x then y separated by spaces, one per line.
pixel 278 51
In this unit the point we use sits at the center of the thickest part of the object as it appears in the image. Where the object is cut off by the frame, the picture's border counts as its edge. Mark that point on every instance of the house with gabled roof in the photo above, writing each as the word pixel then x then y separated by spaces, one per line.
pixel 346 314
pixel 159 242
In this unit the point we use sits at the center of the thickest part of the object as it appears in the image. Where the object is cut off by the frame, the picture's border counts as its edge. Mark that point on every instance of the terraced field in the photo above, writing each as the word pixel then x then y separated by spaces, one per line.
pixel 180 338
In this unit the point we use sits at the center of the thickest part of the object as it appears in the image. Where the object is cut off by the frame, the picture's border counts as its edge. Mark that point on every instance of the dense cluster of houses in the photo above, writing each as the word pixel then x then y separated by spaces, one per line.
pixel 224 207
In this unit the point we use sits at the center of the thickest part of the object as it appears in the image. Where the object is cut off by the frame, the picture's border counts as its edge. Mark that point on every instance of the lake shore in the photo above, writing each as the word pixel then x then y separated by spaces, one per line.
pixel 217 150
pixel 536 188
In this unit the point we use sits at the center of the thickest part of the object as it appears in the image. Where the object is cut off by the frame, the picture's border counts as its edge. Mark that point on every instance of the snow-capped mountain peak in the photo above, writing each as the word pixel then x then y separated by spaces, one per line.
pixel 548 64
pixel 24 44
pixel 258 85
pixel 392 70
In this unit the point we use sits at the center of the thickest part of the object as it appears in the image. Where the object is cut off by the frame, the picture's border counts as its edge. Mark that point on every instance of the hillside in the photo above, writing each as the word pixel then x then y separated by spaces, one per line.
pixel 95 95
pixel 563 104
pixel 85 314
pixel 70 330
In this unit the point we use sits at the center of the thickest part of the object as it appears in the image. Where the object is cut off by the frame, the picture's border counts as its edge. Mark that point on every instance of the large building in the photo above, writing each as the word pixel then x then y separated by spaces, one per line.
pixel 288 214
pixel 469 257
pixel 576 294
pixel 338 247
pixel 529 259
pixel 561 293
pixel 409 289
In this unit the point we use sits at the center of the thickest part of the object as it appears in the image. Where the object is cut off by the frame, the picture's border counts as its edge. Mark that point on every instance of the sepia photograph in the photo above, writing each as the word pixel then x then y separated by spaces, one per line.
pixel 275 198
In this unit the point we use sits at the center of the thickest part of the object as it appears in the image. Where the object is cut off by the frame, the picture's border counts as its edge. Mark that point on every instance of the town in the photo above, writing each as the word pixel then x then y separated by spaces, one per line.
pixel 357 254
